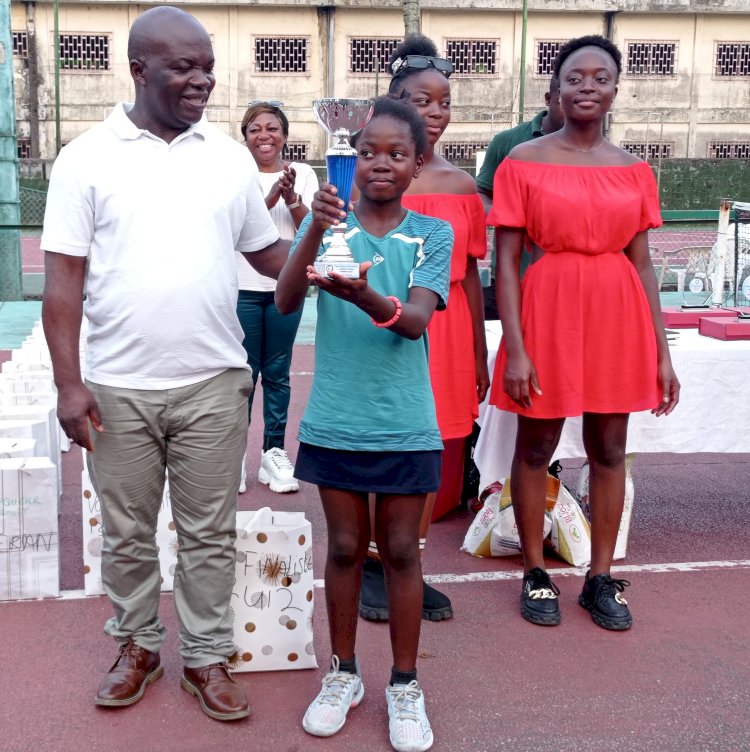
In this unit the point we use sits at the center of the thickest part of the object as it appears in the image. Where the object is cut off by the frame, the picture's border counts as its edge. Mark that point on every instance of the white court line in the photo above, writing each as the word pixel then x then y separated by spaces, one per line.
pixel 680 566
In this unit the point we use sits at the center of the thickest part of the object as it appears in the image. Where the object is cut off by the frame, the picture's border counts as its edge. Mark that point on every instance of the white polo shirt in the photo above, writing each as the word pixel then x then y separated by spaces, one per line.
pixel 159 224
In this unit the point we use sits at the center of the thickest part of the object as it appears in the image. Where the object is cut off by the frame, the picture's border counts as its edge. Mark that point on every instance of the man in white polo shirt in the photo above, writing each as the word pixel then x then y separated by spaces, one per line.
pixel 144 213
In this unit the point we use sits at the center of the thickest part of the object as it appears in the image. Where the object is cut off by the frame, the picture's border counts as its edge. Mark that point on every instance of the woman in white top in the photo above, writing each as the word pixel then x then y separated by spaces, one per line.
pixel 269 336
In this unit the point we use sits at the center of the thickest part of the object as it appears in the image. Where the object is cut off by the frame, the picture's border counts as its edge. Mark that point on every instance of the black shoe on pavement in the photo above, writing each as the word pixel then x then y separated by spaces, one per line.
pixel 601 595
pixel 539 599
pixel 436 606
pixel 373 598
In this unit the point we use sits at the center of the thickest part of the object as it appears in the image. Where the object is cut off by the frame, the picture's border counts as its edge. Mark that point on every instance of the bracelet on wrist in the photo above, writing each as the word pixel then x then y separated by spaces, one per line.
pixel 396 316
pixel 296 203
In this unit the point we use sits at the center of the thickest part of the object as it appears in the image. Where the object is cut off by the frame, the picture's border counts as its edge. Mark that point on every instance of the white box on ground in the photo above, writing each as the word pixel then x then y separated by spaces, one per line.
pixel 10 448
pixel 29 534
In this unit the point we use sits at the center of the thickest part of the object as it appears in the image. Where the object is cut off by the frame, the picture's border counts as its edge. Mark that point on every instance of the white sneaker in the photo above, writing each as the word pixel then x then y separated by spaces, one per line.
pixel 277 471
pixel 341 691
pixel 243 474
pixel 407 721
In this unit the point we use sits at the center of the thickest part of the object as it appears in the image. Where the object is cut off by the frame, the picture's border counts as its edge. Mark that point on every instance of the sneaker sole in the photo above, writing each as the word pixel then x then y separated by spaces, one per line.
pixel 150 678
pixel 437 614
pixel 412 747
pixel 356 700
pixel 614 625
pixel 190 688
pixel 373 614
pixel 266 480
pixel 543 620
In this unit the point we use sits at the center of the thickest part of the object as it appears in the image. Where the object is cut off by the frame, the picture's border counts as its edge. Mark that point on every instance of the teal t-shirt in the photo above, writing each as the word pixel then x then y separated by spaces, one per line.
pixel 371 387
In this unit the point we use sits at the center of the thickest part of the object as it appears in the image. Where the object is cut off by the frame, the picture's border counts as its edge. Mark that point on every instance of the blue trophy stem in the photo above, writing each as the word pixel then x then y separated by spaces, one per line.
pixel 341 174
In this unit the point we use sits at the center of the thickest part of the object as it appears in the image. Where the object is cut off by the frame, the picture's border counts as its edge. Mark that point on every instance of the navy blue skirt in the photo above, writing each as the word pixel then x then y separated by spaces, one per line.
pixel 370 472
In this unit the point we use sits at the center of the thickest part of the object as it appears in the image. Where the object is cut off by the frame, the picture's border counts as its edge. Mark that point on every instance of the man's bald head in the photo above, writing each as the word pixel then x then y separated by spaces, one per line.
pixel 148 32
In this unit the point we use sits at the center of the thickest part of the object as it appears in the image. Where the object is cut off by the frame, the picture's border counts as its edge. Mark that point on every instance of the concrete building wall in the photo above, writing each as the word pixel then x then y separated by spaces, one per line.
pixel 688 110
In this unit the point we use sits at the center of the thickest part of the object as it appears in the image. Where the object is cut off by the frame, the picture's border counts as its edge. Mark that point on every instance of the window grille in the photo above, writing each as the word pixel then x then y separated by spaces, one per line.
pixel 281 54
pixel 365 53
pixel 462 151
pixel 20 44
pixel 472 57
pixel 24 148
pixel 729 149
pixel 546 52
pixel 84 52
pixel 732 59
pixel 296 151
pixel 652 152
pixel 651 58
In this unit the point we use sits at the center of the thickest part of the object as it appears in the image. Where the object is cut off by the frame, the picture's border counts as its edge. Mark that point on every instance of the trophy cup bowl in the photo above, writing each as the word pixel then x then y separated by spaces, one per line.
pixel 342 118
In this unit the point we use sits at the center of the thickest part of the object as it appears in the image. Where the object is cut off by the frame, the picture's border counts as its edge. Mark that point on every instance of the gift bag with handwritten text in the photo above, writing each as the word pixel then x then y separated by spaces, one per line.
pixel 273 595
pixel 29 534
pixel 166 538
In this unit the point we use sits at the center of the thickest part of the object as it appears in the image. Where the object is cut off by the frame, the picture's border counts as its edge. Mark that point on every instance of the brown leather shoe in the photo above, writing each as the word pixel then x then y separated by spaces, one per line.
pixel 125 683
pixel 219 695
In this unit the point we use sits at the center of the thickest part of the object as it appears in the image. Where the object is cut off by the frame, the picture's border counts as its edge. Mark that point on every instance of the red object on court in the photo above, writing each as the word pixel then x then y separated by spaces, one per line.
pixel 724 328
pixel 688 318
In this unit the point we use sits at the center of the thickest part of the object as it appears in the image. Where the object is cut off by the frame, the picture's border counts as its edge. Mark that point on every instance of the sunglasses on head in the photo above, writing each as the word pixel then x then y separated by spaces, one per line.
pixel 269 102
pixel 421 62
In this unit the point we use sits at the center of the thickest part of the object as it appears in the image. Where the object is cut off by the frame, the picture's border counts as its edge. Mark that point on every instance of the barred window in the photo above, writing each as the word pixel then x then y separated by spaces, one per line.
pixel 648 151
pixel 546 52
pixel 20 44
pixel 473 57
pixel 24 148
pixel 732 59
pixel 729 149
pixel 368 54
pixel 651 58
pixel 462 151
pixel 84 52
pixel 297 151
pixel 281 54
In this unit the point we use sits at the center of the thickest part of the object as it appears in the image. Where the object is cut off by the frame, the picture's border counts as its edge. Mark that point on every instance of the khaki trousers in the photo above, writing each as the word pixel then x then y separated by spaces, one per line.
pixel 198 434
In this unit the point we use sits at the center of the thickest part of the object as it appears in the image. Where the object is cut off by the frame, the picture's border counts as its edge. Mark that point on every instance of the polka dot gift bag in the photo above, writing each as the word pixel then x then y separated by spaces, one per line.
pixel 272 600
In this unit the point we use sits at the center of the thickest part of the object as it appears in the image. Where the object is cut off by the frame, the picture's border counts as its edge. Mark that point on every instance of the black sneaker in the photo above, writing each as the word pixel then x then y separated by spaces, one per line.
pixel 601 595
pixel 539 599
pixel 436 606
pixel 373 598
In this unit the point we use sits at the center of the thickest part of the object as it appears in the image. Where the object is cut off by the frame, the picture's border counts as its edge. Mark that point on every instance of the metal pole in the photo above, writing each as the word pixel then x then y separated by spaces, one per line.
pixel 721 253
pixel 522 78
pixel 56 42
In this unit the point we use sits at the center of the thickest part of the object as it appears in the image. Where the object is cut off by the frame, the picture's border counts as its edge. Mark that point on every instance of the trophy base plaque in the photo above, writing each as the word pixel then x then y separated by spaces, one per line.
pixel 348 269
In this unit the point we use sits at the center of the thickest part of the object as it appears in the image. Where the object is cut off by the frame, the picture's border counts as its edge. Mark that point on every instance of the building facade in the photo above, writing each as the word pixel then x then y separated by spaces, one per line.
pixel 684 92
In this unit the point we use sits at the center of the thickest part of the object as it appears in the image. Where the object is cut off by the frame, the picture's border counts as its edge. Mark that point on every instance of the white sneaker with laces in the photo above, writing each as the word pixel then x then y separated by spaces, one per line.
pixel 408 725
pixel 277 471
pixel 243 474
pixel 341 691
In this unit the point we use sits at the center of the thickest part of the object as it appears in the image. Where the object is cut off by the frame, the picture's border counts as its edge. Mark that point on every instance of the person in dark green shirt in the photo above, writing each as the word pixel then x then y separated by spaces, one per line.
pixel 545 121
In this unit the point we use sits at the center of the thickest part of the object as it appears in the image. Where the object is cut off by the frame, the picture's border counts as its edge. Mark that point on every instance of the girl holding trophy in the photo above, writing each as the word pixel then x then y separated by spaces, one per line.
pixel 370 425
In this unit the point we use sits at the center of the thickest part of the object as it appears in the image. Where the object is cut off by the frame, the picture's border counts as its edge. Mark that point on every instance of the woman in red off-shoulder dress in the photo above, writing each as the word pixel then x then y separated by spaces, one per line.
pixel 582 334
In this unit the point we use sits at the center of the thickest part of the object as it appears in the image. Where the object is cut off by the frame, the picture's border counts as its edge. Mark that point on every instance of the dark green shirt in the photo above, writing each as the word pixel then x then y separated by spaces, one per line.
pixel 501 146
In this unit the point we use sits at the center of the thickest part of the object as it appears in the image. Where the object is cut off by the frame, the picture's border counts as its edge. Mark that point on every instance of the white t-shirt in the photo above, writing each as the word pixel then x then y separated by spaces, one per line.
pixel 159 224
pixel 305 184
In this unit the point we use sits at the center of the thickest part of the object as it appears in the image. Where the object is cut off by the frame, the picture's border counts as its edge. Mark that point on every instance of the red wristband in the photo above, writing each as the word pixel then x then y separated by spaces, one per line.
pixel 396 316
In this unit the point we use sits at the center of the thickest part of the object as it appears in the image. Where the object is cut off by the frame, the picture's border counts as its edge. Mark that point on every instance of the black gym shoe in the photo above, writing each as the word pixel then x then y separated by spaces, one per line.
pixel 373 598
pixel 539 599
pixel 601 595
pixel 436 606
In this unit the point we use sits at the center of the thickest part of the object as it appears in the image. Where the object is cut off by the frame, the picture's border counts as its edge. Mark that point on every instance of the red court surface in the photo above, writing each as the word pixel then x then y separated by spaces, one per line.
pixel 679 680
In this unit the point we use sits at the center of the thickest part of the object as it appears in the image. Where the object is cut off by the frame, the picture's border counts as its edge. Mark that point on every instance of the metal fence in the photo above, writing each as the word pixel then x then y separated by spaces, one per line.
pixel 32 206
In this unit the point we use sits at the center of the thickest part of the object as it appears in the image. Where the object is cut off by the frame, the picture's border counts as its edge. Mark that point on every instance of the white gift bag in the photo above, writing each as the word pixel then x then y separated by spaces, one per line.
pixel 29 534
pixel 166 538
pixel 571 533
pixel 273 595
pixel 582 494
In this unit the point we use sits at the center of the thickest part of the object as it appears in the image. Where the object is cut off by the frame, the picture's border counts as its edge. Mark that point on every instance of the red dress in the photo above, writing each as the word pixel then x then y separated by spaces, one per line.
pixel 584 315
pixel 452 369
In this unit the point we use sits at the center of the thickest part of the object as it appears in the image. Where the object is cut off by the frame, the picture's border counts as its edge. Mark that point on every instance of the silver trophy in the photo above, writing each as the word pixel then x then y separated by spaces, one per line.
pixel 342 118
